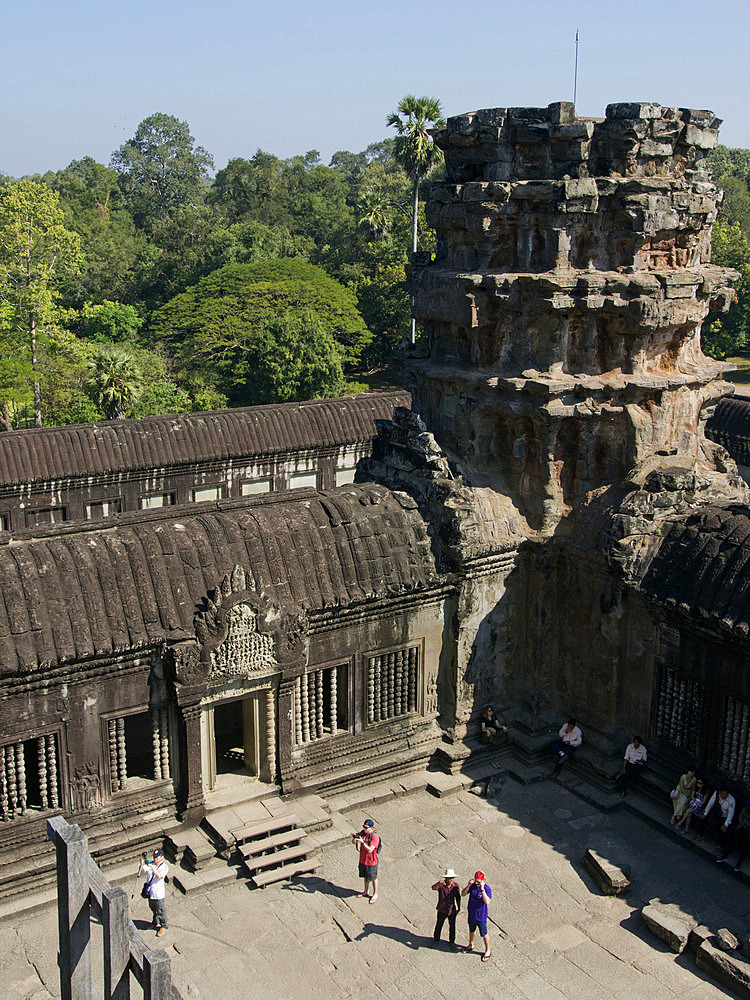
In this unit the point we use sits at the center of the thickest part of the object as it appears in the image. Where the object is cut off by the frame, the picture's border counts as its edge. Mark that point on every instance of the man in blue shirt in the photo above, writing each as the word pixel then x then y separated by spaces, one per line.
pixel 479 894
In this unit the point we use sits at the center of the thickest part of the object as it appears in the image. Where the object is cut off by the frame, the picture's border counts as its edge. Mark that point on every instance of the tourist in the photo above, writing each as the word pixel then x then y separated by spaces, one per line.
pixel 737 839
pixel 448 905
pixel 493 731
pixel 682 795
pixel 719 812
pixel 570 738
pixel 479 894
pixel 155 888
pixel 633 762
pixel 695 806
pixel 369 844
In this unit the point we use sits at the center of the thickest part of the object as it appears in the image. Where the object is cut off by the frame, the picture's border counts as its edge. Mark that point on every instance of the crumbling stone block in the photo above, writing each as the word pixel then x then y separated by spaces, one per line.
pixel 673 930
pixel 726 940
pixel 612 881
pixel 731 972
pixel 698 935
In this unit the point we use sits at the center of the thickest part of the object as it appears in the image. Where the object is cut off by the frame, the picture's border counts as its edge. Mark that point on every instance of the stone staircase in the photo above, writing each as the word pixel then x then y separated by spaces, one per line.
pixel 263 840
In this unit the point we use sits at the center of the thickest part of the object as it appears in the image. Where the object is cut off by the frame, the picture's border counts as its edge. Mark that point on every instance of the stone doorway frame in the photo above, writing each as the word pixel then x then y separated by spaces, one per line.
pixel 258 698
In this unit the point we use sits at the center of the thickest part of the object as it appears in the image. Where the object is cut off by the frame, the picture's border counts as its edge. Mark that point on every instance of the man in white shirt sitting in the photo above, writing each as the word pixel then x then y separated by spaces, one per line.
pixel 570 739
pixel 156 872
pixel 634 761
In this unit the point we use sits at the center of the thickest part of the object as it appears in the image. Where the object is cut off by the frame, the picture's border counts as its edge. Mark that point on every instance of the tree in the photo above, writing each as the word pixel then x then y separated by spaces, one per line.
pixel 110 322
pixel 161 169
pixel 36 252
pixel 115 381
pixel 207 324
pixel 289 358
pixel 725 334
pixel 414 148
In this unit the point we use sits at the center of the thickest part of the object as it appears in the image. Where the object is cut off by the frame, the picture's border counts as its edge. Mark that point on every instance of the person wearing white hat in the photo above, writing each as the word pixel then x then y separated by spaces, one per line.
pixel 448 905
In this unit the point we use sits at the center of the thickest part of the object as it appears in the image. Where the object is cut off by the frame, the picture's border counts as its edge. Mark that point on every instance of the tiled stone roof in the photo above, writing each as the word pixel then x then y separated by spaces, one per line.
pixel 729 425
pixel 702 565
pixel 73 593
pixel 54 453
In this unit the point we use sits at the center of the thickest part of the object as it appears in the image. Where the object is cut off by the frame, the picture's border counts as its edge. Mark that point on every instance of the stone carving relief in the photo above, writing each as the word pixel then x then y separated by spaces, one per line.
pixel 245 650
pixel 86 787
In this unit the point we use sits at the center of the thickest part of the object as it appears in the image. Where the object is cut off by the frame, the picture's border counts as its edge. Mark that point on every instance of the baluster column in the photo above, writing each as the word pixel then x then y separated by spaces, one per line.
pixel 382 676
pixel 155 748
pixel 3 787
pixel 298 711
pixel 334 704
pixel 370 691
pixel 166 770
pixel 41 755
pixel 122 762
pixel 10 757
pixel 391 685
pixel 305 710
pixel 114 772
pixel 398 682
pixel 51 746
pixel 319 701
pixel 21 770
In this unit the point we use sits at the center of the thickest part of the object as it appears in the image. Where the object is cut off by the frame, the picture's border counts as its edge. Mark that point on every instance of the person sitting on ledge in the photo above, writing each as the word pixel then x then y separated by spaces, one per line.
pixel 695 806
pixel 633 762
pixel 682 795
pixel 737 838
pixel 719 812
pixel 570 738
pixel 493 731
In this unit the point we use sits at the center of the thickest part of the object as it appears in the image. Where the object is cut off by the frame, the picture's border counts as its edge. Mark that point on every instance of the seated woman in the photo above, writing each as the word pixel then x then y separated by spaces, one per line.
pixel 685 789
pixel 695 806
pixel 493 732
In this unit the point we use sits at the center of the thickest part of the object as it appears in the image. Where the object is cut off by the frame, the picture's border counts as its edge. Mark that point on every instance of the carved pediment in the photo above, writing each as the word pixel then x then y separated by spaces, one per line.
pixel 242 633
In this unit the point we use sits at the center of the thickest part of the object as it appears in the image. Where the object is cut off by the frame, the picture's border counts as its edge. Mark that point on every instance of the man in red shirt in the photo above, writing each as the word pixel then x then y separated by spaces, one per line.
pixel 369 844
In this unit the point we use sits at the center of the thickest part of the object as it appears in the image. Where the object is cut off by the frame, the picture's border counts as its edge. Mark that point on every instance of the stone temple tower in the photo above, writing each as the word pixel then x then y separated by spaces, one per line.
pixel 565 301
pixel 559 407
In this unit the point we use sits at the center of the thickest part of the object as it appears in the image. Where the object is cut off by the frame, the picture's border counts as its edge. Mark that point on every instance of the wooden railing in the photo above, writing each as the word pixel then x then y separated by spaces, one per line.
pixel 82 890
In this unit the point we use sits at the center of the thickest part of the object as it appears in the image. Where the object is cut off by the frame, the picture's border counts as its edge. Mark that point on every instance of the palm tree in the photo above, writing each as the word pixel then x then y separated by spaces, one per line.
pixel 373 208
pixel 414 149
pixel 115 381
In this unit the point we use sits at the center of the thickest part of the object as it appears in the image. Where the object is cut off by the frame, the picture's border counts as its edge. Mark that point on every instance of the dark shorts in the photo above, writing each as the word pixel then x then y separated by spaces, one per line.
pixel 370 872
pixel 480 924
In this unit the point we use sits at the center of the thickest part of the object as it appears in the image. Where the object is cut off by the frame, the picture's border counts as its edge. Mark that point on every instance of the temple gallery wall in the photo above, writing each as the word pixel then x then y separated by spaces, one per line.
pixel 543 524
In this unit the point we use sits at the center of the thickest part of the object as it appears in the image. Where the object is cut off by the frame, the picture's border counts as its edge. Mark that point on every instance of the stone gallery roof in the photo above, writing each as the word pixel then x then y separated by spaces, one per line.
pixel 76 593
pixel 729 426
pixel 702 565
pixel 54 453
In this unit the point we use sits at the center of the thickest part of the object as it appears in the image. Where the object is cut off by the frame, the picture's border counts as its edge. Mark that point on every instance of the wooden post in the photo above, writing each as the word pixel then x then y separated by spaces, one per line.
pixel 73 910
pixel 157 975
pixel 115 925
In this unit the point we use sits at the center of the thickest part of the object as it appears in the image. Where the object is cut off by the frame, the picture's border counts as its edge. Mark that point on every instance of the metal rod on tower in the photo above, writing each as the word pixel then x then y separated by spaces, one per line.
pixel 575 74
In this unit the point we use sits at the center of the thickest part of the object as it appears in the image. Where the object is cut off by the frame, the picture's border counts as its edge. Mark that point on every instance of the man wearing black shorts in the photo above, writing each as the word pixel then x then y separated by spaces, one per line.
pixel 369 843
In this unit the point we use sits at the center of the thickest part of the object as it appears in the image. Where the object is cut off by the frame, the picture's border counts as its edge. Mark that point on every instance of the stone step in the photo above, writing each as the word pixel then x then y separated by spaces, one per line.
pixel 442 785
pixel 262 862
pixel 262 879
pixel 404 784
pixel 253 847
pixel 254 831
pixel 207 878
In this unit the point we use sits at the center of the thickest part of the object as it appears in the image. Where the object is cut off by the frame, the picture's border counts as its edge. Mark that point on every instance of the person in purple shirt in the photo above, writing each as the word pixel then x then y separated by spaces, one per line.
pixel 479 894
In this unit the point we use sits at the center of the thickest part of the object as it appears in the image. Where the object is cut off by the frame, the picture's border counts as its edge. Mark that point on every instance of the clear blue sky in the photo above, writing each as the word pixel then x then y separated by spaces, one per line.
pixel 289 76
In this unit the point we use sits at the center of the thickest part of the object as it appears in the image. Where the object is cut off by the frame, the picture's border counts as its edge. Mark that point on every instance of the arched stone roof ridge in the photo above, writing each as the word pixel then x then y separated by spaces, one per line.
pixel 53 453
pixel 90 591
pixel 702 563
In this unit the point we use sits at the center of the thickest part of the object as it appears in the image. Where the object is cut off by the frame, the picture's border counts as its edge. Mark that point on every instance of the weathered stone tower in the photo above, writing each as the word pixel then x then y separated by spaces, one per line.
pixel 565 302
pixel 563 397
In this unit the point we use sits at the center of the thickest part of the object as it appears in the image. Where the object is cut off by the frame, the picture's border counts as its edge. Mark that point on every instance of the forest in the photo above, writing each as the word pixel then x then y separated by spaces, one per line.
pixel 155 285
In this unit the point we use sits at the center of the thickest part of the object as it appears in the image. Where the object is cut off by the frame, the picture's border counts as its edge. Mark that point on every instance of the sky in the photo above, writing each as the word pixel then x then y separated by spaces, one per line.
pixel 289 76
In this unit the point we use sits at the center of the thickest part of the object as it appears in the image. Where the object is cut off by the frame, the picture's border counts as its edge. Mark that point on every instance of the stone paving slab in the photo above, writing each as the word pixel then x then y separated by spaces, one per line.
pixel 552 934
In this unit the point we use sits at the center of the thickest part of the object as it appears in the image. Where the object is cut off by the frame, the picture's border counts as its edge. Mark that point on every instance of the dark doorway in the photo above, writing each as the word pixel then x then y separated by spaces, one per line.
pixel 229 729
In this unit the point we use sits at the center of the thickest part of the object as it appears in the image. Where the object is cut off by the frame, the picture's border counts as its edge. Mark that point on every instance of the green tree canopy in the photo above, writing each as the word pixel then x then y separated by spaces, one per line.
pixel 161 169
pixel 110 322
pixel 36 252
pixel 724 334
pixel 115 380
pixel 205 324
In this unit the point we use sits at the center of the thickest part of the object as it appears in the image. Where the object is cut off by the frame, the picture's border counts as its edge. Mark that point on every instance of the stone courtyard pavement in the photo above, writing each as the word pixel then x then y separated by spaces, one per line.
pixel 552 934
